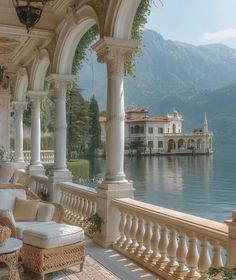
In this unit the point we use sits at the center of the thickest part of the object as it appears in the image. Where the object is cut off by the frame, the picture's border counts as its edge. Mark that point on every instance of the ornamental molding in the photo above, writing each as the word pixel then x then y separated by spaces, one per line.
pixel 109 48
pixel 61 83
pixel 19 105
pixel 36 95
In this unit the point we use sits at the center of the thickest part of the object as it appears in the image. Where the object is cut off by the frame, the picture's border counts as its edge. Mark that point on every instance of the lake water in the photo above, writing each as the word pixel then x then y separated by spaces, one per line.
pixel 200 185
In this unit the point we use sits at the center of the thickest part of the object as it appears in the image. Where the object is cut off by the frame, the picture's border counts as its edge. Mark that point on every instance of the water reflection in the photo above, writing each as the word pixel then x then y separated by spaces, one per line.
pixel 199 185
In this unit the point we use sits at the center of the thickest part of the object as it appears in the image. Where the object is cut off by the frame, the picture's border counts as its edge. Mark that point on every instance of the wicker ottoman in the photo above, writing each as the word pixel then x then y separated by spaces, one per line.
pixel 52 247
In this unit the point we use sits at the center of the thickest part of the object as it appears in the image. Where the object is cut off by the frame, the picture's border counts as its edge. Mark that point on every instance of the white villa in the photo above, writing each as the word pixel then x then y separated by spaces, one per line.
pixel 144 241
pixel 161 135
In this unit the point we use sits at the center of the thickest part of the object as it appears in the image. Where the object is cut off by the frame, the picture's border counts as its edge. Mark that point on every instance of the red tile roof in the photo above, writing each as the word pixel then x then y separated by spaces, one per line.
pixel 103 119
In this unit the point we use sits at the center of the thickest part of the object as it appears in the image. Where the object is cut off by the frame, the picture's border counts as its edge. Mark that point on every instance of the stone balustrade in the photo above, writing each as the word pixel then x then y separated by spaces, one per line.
pixel 40 185
pixel 79 203
pixel 46 156
pixel 170 243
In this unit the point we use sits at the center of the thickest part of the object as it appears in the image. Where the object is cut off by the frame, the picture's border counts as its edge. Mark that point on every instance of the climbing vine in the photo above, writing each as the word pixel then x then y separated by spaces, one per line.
pixel 139 23
pixel 80 53
pixel 91 35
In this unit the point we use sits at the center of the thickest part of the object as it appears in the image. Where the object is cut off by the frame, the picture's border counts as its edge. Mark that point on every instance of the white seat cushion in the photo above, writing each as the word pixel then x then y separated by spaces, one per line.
pixel 22 226
pixel 53 235
pixel 8 196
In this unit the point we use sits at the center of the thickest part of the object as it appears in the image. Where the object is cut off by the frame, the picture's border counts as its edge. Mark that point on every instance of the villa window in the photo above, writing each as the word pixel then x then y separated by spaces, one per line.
pixel 160 144
pixel 142 129
pixel 150 144
pixel 160 130
pixel 132 130
pixel 136 129
pixel 150 130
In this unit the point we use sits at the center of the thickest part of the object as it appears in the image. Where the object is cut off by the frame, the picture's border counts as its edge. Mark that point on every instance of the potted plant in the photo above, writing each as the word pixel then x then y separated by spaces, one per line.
pixel 6 166
pixel 222 272
pixel 93 224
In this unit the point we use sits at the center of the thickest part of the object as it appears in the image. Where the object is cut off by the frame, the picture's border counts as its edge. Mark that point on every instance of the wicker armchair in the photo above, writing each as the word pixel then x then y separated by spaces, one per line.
pixel 58 208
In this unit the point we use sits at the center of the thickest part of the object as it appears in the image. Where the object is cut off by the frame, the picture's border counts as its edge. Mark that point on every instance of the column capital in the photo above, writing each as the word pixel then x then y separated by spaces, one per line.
pixel 35 95
pixel 60 81
pixel 19 105
pixel 109 49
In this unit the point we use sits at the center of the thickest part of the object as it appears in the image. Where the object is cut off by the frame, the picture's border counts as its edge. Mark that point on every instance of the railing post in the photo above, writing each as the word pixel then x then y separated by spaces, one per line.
pixel 231 246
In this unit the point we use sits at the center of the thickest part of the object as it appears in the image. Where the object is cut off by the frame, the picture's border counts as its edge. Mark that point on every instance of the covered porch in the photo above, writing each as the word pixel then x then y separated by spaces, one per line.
pixel 169 244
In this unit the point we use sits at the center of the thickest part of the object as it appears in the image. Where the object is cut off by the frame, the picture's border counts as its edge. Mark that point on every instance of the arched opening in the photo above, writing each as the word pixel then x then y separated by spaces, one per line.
pixel 191 144
pixel 171 145
pixel 181 144
pixel 21 85
pixel 199 144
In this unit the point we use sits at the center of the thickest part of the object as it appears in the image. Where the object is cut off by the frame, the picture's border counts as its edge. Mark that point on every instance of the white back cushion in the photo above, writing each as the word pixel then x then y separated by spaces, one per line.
pixel 45 212
pixel 8 196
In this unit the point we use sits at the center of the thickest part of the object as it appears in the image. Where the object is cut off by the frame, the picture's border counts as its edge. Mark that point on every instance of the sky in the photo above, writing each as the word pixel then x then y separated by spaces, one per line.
pixel 196 22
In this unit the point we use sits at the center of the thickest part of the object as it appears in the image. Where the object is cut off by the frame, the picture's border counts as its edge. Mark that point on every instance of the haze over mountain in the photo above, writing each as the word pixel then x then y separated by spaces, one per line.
pixel 175 75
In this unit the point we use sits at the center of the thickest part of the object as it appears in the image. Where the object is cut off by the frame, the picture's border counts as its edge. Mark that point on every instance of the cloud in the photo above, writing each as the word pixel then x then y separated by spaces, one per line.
pixel 219 36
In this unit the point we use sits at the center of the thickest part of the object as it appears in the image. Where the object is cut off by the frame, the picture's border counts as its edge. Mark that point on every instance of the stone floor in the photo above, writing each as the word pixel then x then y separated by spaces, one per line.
pixel 92 271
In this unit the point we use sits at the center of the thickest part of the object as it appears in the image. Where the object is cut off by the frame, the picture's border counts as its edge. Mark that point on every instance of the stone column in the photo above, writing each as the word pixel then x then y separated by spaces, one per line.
pixel 19 107
pixel 61 84
pixel 36 167
pixel 114 52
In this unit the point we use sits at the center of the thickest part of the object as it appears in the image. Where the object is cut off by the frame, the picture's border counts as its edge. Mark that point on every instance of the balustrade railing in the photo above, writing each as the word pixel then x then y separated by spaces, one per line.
pixel 40 185
pixel 79 203
pixel 170 243
pixel 46 156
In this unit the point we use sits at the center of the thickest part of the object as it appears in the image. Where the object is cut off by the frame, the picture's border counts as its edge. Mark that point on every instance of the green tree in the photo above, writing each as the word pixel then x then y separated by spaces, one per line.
pixel 95 128
pixel 77 123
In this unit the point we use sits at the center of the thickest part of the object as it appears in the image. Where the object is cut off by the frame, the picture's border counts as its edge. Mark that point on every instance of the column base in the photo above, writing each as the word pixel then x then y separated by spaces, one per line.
pixel 36 169
pixel 106 192
pixel 20 165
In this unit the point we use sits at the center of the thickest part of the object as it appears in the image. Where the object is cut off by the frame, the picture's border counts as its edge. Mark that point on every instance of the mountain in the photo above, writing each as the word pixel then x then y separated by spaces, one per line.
pixel 190 79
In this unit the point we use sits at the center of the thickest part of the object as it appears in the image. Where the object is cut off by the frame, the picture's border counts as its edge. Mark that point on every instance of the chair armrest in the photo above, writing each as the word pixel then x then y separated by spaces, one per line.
pixel 58 213
pixel 4 221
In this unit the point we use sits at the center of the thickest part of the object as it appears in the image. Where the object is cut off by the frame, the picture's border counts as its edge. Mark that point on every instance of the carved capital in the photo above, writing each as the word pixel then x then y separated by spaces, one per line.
pixel 19 106
pixel 115 49
pixel 61 83
pixel 37 95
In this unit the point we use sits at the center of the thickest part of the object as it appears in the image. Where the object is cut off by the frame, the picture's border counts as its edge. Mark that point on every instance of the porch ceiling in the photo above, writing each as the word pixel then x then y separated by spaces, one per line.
pixel 16 45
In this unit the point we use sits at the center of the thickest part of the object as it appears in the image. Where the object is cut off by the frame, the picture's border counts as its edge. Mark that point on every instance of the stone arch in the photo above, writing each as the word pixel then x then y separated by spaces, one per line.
pixel 75 26
pixel 171 145
pixel 191 144
pixel 123 21
pixel 39 70
pixel 181 144
pixel 21 85
pixel 199 144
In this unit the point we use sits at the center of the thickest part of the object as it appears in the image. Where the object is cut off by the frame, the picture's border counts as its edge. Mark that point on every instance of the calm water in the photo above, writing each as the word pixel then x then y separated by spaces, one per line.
pixel 200 185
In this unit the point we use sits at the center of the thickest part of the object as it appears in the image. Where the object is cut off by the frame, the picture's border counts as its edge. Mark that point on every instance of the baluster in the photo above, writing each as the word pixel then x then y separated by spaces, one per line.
pixel 93 208
pixel 204 260
pixel 62 197
pixel 181 256
pixel 82 201
pixel 147 240
pixel 139 237
pixel 89 210
pixel 133 231
pixel 67 204
pixel 84 210
pixel 163 245
pixel 127 229
pixel 154 244
pixel 171 250
pixel 70 214
pixel 121 229
pixel 76 209
pixel 192 258
pixel 216 255
pixel 73 204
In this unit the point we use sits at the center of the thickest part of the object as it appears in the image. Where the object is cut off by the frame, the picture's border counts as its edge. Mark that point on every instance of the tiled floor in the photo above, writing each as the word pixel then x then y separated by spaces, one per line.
pixel 101 264
pixel 92 271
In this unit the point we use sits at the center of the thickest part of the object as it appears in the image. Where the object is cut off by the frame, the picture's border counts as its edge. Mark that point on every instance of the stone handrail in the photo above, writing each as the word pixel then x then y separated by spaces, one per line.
pixel 79 203
pixel 170 243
